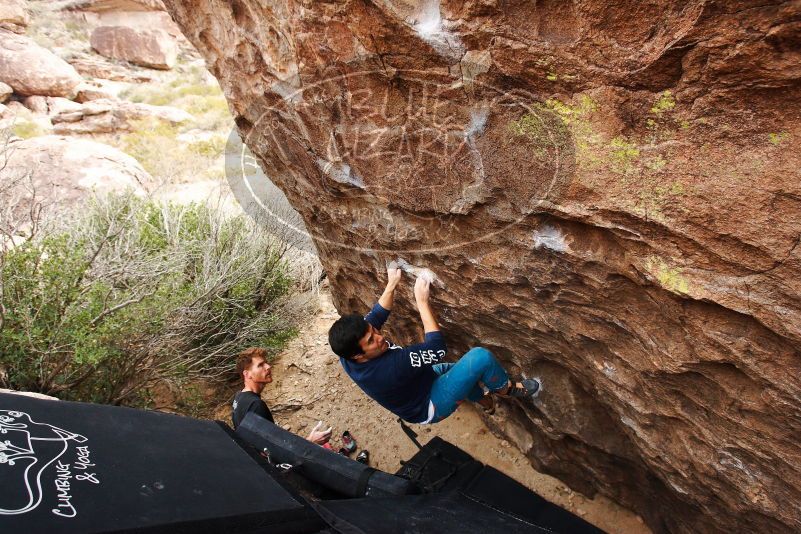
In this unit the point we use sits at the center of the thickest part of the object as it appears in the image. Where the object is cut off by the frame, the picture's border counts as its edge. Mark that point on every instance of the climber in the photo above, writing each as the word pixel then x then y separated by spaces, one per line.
pixel 411 382
pixel 252 366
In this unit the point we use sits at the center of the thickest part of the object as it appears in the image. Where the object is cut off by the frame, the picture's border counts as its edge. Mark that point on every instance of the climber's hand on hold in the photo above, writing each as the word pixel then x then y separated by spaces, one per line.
pixel 393 275
pixel 422 291
pixel 319 436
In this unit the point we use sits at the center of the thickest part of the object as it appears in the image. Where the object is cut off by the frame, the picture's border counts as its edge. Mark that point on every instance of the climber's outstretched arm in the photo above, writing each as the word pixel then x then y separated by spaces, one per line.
pixel 422 293
pixel 388 296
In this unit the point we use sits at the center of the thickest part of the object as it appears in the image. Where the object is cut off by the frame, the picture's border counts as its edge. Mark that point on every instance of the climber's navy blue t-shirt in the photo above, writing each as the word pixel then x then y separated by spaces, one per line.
pixel 400 379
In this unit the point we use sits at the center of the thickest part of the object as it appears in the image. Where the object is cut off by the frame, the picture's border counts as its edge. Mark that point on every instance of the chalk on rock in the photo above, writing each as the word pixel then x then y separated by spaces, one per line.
pixel 427 275
pixel 421 272
pixel 550 238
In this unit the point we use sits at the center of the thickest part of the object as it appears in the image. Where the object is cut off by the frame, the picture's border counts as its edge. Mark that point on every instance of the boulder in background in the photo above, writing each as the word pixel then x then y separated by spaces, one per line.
pixel 94 66
pixel 50 105
pixel 89 91
pixel 149 48
pixel 30 69
pixel 64 170
pixel 14 16
pixel 106 116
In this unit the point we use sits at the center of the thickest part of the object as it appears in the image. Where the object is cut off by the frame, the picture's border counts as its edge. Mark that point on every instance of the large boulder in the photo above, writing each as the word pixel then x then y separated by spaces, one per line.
pixel 608 194
pixel 149 48
pixel 65 170
pixel 14 15
pixel 32 70
pixel 143 14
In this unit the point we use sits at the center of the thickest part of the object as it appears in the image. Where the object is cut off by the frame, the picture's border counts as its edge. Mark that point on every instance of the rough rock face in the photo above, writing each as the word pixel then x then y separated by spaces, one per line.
pixel 608 194
pixel 63 170
pixel 32 70
pixel 149 48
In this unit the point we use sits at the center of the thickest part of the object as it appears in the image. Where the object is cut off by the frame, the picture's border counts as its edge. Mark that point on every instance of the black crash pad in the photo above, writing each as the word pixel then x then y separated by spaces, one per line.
pixel 443 468
pixel 334 471
pixel 76 467
pixel 421 514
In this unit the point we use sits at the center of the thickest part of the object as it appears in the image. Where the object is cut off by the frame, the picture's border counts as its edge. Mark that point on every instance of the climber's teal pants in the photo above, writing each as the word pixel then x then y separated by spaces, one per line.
pixel 459 381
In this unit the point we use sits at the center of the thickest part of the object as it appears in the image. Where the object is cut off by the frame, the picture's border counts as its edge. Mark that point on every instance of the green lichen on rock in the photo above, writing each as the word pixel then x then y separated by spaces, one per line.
pixel 664 103
pixel 777 139
pixel 547 126
pixel 623 155
pixel 669 278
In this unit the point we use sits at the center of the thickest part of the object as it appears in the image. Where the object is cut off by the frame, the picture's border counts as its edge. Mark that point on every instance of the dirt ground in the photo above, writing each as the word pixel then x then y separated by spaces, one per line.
pixel 309 385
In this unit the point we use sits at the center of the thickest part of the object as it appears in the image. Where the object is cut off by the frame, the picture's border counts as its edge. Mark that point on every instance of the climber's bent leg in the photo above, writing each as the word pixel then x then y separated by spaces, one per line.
pixel 460 381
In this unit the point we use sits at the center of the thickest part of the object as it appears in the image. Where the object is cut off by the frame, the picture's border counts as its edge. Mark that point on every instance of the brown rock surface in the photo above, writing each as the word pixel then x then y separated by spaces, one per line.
pixel 608 193
pixel 149 48
pixel 32 70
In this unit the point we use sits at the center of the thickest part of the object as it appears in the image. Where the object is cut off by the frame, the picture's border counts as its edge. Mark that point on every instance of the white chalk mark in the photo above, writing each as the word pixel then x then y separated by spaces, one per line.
pixel 340 173
pixel 478 121
pixel 418 272
pixel 550 238
pixel 430 28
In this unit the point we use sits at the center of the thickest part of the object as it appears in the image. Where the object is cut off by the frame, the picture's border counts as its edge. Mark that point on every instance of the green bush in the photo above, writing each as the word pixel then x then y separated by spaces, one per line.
pixel 27 129
pixel 190 91
pixel 134 293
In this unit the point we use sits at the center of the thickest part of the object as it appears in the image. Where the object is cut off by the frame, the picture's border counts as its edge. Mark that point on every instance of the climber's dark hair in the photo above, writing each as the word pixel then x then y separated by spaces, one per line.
pixel 345 333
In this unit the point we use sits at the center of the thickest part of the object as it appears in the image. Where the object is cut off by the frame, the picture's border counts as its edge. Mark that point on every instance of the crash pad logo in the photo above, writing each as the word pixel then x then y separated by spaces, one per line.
pixel 411 157
pixel 28 449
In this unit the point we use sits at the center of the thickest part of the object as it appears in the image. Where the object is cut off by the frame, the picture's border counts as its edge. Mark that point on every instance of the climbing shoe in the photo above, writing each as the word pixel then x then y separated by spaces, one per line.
pixel 527 388
pixel 348 442
pixel 364 457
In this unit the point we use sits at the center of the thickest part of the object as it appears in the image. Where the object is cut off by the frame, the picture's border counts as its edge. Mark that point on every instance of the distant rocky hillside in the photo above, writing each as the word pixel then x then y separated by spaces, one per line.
pixel 99 96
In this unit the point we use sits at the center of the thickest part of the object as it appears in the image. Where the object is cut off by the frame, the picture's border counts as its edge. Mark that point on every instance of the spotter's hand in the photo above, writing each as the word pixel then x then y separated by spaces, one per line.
pixel 319 436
